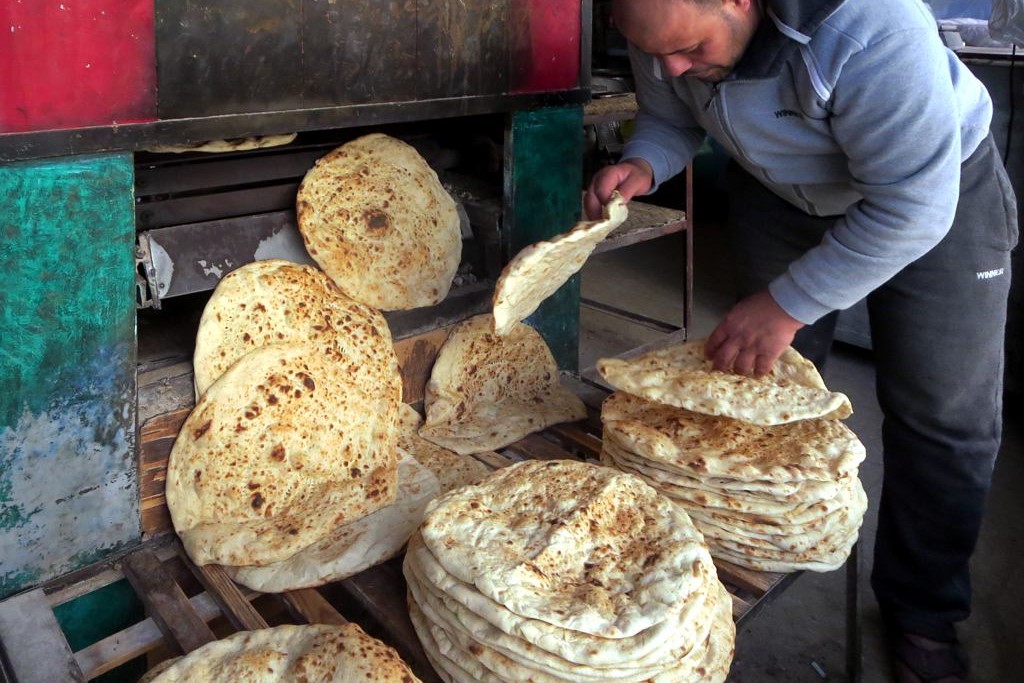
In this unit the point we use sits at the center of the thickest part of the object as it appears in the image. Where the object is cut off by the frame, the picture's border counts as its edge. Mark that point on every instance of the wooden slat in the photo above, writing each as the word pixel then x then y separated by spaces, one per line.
pixel 381 591
pixel 311 606
pixel 493 460
pixel 156 520
pixel 757 583
pixel 236 608
pixel 85 586
pixel 575 434
pixel 33 643
pixel 165 602
pixel 739 607
pixel 156 438
pixel 539 448
pixel 416 359
pixel 136 640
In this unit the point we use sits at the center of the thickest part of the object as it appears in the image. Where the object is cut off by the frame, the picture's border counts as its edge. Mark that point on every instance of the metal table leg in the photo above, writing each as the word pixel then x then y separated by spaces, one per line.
pixel 854 663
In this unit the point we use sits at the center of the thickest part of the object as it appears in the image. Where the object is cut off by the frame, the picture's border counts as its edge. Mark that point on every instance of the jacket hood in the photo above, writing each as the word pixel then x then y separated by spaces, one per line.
pixel 786 25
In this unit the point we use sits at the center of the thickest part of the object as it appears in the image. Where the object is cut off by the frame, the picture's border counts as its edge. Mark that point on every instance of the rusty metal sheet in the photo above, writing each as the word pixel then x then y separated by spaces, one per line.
pixel 228 57
pixel 462 47
pixel 193 258
pixel 359 51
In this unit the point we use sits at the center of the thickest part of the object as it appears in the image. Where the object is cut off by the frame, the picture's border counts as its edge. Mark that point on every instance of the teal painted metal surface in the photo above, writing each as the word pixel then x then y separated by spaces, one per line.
pixel 68 482
pixel 94 616
pixel 543 186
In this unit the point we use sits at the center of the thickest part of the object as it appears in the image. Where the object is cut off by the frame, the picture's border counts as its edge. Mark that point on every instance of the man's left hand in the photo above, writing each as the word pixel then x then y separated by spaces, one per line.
pixel 752 336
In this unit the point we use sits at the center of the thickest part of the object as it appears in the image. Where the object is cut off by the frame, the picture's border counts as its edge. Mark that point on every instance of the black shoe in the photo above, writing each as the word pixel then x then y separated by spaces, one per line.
pixel 917 659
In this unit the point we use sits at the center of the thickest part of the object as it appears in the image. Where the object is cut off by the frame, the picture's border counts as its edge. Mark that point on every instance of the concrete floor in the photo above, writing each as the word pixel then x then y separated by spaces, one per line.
pixel 800 636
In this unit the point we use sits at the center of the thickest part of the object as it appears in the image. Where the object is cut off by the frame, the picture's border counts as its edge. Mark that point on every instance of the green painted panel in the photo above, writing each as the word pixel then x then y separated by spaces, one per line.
pixel 68 486
pixel 543 186
pixel 94 616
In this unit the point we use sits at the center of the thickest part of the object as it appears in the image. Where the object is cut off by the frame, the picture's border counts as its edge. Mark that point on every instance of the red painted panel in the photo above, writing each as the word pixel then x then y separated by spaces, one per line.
pixel 551 58
pixel 74 63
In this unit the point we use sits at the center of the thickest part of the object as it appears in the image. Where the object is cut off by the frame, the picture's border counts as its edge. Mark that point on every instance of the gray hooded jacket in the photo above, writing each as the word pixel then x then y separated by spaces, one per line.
pixel 847 108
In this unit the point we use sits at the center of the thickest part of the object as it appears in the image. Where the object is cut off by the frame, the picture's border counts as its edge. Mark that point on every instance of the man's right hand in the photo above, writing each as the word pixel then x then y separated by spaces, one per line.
pixel 630 177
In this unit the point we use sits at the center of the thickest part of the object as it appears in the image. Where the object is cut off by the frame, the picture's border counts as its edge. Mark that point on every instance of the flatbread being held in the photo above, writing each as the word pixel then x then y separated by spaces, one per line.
pixel 317 653
pixel 376 219
pixel 538 270
pixel 680 376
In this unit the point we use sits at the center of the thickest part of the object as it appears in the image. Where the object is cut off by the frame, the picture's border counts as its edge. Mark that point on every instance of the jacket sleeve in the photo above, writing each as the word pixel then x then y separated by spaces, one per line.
pixel 667 136
pixel 894 115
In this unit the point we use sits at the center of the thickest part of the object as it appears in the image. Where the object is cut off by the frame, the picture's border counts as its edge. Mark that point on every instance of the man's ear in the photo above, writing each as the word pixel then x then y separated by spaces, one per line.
pixel 742 5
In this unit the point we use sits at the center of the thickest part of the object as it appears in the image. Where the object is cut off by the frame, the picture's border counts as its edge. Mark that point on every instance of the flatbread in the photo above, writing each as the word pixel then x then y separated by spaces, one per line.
pixel 243 144
pixel 376 219
pixel 277 301
pixel 795 509
pixel 708 446
pixel 451 469
pixel 539 269
pixel 317 653
pixel 350 548
pixel 652 647
pixel 487 391
pixel 456 619
pixel 579 546
pixel 680 376
pixel 282 448
pixel 460 655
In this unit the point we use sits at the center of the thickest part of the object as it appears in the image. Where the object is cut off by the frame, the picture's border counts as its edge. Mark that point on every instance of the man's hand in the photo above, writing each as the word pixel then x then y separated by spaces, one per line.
pixel 751 336
pixel 631 177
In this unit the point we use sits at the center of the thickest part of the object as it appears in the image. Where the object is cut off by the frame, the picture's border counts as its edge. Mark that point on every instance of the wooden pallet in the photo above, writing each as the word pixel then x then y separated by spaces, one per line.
pixel 179 616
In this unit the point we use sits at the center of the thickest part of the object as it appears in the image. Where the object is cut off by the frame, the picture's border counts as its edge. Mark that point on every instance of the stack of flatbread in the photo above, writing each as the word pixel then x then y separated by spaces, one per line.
pixel 763 466
pixel 288 470
pixel 315 653
pixel 488 390
pixel 559 571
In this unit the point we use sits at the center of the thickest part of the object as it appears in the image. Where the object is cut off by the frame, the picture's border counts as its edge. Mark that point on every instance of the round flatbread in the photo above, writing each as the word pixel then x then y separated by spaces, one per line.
pixel 654 647
pixel 226 145
pixel 375 217
pixel 350 548
pixel 451 469
pixel 282 448
pixel 317 653
pixel 536 272
pixel 708 446
pixel 679 375
pixel 487 391
pixel 277 301
pixel 579 546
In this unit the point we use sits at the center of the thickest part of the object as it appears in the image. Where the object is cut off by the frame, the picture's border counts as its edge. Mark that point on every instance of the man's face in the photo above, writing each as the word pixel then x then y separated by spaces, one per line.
pixel 703 41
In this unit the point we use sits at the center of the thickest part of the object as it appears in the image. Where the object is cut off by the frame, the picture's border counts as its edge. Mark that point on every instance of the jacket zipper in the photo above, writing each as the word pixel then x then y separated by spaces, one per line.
pixel 715 100
pixel 711 99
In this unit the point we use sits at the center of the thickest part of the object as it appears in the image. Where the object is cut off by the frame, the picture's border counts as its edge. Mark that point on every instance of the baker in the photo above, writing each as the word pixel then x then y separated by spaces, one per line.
pixel 862 167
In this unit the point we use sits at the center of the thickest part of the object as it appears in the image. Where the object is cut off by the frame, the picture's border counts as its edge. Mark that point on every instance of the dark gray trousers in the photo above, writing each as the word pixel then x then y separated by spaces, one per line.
pixel 937 330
